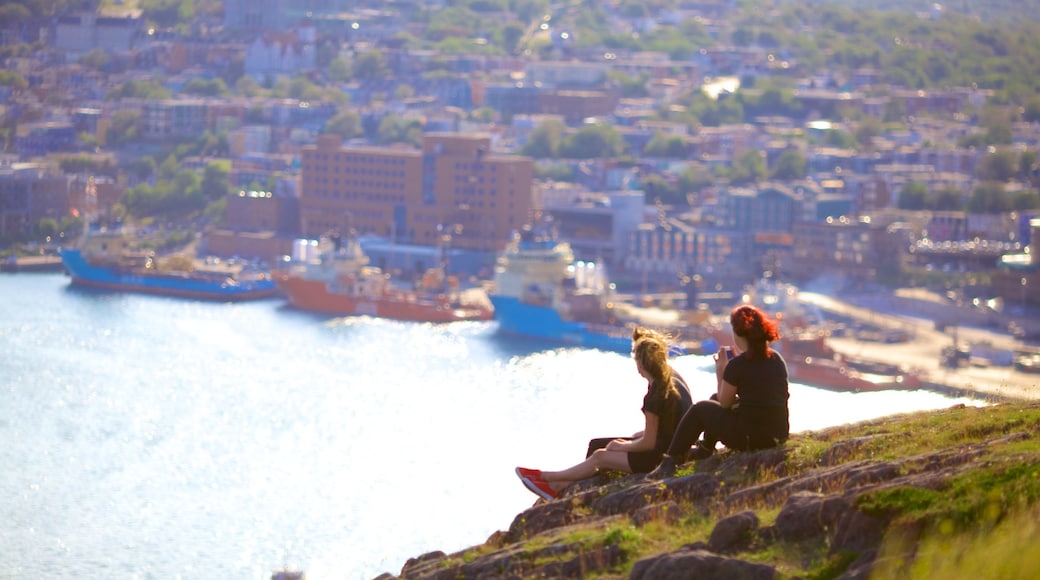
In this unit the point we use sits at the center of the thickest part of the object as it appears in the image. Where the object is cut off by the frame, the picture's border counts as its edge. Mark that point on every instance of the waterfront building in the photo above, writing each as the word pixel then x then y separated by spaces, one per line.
pixel 454 186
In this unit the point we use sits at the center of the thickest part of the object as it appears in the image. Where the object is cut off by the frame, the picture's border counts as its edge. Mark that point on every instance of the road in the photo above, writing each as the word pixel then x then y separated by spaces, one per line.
pixel 924 351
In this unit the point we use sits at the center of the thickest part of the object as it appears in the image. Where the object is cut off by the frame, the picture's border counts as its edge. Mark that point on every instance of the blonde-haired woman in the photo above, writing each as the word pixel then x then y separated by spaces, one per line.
pixel 661 409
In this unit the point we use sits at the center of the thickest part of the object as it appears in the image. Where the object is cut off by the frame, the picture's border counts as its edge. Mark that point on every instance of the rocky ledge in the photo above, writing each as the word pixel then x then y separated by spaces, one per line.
pixel 893 497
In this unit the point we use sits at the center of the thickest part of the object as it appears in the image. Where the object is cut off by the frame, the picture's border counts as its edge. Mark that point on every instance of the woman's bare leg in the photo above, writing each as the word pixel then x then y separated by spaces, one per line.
pixel 600 459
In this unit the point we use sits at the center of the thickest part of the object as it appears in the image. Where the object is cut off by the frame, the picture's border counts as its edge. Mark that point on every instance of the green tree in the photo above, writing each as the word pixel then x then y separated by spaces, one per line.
pixel 10 14
pixel 841 139
pixel 667 146
pixel 143 89
pixel 1000 165
pixel 207 88
pixel 1031 110
pixel 1025 200
pixel 659 189
pixel 216 179
pixel 397 129
pixel 544 141
pixel 512 33
pixel 47 228
pixel 96 59
pixel 346 124
pixel 339 69
pixel 167 13
pixel 913 196
pixel 790 165
pixel 143 168
pixel 370 65
pixel 988 198
pixel 694 178
pixel 12 79
pixel 593 141
pixel 947 199
pixel 123 129
pixel 748 167
pixel 247 86
pixel 865 132
pixel 1027 165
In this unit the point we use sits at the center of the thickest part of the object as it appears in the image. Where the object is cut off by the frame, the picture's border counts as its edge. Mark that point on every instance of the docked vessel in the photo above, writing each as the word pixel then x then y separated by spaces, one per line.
pixel 540 291
pixel 810 361
pixel 336 279
pixel 105 260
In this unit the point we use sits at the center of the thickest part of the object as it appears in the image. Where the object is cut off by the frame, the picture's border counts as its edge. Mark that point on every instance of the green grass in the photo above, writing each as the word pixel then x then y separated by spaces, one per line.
pixel 982 515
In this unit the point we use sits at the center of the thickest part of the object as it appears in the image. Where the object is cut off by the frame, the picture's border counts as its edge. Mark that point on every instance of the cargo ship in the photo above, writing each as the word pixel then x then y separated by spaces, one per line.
pixel 811 361
pixel 105 260
pixel 334 278
pixel 540 291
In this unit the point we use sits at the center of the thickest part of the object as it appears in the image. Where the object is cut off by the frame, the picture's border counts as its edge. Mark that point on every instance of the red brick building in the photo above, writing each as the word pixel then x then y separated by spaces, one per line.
pixel 454 184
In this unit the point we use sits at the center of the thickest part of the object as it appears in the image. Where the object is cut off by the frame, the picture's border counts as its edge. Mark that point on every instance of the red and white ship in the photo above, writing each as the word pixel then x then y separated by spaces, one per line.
pixel 810 361
pixel 336 279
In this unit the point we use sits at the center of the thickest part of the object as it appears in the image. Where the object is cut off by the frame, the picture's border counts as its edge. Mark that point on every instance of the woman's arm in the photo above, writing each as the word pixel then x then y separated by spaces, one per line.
pixel 645 442
pixel 727 394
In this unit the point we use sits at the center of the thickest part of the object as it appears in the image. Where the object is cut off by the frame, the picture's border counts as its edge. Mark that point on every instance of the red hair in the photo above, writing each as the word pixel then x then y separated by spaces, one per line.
pixel 756 327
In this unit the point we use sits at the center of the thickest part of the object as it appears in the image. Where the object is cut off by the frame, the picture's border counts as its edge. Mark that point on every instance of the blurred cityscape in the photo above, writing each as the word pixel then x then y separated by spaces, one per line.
pixel 690 146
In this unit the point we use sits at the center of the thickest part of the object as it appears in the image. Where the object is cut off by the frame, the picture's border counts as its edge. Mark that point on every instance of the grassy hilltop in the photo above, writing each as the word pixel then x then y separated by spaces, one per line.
pixel 943 494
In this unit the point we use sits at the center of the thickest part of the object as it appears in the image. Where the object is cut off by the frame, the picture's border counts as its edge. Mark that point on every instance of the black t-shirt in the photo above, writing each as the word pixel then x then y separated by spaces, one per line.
pixel 685 398
pixel 759 382
pixel 668 411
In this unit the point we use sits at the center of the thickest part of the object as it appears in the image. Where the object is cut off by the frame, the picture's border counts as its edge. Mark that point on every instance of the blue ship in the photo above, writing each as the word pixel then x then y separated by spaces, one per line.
pixel 541 292
pixel 103 261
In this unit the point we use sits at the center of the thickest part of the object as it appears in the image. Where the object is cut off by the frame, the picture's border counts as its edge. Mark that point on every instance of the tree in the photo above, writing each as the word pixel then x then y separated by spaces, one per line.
pixel 12 79
pixel 1025 200
pixel 397 129
pixel 207 88
pixel 144 89
pixel 346 124
pixel 841 139
pixel 658 189
pixel 512 33
pixel 947 199
pixel 790 165
pixel 47 228
pixel 1027 165
pixel 247 86
pixel 96 59
pixel 998 166
pixel 865 132
pixel 216 179
pixel 123 128
pixel 669 146
pixel 339 69
pixel 13 13
pixel 988 198
pixel 370 65
pixel 913 196
pixel 545 140
pixel 748 167
pixel 593 141
pixel 694 178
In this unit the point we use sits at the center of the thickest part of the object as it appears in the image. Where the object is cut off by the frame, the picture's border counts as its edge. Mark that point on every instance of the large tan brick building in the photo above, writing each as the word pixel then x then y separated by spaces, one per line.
pixel 453 185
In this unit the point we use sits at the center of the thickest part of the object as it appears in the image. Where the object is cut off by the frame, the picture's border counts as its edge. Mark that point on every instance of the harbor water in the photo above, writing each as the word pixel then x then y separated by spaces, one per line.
pixel 152 437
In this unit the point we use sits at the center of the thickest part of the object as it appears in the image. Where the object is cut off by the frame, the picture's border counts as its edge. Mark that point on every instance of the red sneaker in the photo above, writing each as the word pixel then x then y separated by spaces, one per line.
pixel 523 472
pixel 535 483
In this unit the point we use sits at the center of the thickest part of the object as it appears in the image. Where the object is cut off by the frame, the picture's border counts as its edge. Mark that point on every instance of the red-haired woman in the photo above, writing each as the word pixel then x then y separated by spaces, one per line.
pixel 749 410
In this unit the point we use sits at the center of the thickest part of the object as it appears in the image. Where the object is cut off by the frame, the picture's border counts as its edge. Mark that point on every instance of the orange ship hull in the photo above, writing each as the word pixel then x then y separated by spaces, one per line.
pixel 315 296
pixel 834 375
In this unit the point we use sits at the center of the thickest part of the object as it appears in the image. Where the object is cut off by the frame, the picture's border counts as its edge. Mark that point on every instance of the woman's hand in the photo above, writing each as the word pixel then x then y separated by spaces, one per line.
pixel 616 445
pixel 721 360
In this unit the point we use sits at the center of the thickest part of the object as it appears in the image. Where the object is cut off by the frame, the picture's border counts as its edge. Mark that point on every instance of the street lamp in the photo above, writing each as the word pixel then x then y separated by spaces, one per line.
pixel 1024 283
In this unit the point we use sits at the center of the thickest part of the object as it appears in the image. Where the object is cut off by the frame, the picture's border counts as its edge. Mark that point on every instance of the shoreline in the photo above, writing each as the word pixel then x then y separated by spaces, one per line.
pixel 923 351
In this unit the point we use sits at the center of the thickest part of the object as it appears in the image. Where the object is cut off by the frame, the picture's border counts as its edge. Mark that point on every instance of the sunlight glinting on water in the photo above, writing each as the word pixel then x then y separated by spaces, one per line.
pixel 165 438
